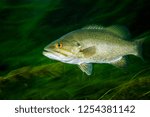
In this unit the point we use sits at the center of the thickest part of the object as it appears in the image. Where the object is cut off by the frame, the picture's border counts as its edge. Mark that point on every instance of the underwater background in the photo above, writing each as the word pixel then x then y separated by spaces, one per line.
pixel 27 26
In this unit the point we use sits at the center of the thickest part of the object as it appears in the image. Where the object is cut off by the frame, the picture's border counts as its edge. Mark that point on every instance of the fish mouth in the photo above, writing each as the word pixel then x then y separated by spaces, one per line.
pixel 55 52
pixel 46 52
pixel 55 55
pixel 50 52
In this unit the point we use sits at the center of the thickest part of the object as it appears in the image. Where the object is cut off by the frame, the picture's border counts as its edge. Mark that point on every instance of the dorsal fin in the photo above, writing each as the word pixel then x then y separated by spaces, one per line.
pixel 121 31
pixel 118 30
pixel 93 27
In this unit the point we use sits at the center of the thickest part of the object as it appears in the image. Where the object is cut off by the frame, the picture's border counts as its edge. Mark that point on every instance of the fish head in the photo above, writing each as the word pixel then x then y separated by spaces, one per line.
pixel 66 49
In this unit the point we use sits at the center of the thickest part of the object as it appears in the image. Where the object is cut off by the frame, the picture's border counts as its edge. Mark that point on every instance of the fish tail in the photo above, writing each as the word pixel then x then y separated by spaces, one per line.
pixel 138 44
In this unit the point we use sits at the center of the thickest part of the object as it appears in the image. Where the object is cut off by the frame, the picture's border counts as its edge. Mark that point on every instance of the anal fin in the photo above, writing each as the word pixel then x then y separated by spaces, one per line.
pixel 122 62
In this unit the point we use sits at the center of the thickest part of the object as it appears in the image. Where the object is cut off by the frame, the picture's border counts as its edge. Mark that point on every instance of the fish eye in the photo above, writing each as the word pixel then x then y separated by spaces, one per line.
pixel 59 45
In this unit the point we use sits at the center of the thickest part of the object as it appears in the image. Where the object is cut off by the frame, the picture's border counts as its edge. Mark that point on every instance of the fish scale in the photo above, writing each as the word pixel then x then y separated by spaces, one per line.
pixel 94 44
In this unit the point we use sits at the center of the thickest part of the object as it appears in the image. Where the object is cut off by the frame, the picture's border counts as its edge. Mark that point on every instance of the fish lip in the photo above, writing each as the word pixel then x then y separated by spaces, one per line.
pixel 49 51
pixel 46 51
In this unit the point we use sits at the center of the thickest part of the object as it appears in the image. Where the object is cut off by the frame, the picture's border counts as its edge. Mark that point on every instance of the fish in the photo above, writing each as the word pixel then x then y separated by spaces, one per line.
pixel 94 44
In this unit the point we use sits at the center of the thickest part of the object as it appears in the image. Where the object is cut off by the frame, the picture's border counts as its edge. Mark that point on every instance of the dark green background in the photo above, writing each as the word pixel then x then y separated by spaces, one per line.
pixel 27 26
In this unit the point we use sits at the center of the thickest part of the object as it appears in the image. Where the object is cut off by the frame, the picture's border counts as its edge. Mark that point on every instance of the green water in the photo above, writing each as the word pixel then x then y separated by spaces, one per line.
pixel 27 26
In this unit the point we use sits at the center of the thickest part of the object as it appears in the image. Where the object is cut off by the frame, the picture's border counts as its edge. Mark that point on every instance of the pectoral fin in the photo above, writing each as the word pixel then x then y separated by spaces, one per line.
pixel 122 62
pixel 86 67
pixel 87 52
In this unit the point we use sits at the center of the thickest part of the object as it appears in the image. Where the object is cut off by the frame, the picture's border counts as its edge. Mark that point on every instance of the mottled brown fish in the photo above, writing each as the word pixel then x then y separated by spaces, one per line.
pixel 94 44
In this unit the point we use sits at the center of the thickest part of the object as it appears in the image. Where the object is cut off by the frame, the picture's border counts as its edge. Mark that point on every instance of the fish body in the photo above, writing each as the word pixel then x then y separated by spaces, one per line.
pixel 94 44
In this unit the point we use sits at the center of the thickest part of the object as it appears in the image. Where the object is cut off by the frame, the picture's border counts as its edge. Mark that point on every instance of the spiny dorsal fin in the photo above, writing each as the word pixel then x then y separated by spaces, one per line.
pixel 86 67
pixel 93 27
pixel 121 31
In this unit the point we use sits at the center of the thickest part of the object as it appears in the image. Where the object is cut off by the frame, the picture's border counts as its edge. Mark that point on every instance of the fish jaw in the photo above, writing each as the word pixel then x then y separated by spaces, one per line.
pixel 60 57
pixel 51 55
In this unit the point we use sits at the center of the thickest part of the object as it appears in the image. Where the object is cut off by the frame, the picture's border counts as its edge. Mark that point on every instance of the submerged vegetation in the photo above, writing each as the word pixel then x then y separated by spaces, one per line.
pixel 28 26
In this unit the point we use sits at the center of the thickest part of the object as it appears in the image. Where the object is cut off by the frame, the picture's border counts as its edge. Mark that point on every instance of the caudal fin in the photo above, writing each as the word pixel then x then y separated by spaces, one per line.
pixel 139 49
